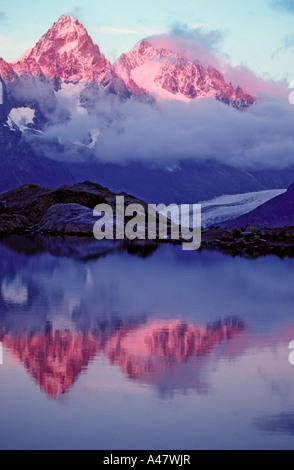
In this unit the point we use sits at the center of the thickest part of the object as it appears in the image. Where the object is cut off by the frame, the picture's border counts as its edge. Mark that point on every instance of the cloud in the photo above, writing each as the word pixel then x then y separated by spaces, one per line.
pixel 193 43
pixel 208 39
pixel 205 46
pixel 261 136
pixel 77 12
pixel 167 132
pixel 287 46
pixel 284 5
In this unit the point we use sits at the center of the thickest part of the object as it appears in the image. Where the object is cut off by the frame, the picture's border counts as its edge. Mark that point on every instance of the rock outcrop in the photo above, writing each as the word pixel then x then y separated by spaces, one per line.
pixel 68 218
pixel 65 210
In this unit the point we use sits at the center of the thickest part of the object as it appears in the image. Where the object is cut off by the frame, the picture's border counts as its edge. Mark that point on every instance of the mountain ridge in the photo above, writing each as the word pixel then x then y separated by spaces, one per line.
pixel 175 74
pixel 67 54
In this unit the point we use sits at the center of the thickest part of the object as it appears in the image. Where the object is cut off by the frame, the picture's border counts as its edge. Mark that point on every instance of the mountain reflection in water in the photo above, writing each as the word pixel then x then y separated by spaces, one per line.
pixel 143 347
pixel 55 358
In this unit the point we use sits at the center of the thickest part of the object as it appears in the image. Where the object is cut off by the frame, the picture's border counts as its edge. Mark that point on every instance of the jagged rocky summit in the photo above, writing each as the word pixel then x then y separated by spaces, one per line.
pixel 67 54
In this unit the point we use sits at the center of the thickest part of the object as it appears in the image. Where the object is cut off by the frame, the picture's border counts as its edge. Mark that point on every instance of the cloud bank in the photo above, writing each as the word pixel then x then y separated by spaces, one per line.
pixel 166 132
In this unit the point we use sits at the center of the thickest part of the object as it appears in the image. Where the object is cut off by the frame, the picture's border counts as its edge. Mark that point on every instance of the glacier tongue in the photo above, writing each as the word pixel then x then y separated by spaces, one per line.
pixel 229 207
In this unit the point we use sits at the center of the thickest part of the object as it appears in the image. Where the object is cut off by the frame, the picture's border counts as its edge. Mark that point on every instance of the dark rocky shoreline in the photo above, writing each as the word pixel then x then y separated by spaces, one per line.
pixel 251 241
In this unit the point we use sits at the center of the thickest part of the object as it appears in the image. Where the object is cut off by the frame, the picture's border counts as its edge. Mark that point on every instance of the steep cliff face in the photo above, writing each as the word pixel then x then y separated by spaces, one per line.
pixel 168 75
pixel 66 53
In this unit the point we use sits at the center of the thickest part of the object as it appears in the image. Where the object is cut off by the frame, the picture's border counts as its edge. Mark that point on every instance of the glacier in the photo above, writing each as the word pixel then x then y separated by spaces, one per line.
pixel 228 207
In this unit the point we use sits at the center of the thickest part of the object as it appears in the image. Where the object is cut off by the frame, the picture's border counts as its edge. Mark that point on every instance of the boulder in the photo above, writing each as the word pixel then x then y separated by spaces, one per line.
pixel 68 219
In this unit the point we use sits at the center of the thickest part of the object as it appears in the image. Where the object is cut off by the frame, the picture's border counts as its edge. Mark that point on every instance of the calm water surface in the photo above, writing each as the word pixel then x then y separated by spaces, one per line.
pixel 109 349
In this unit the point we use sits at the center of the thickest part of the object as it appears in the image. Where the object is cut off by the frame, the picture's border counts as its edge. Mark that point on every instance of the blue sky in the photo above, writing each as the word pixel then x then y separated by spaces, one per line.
pixel 256 34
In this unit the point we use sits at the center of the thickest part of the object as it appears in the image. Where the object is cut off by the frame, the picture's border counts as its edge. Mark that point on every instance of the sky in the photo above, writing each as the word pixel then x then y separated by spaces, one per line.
pixel 257 35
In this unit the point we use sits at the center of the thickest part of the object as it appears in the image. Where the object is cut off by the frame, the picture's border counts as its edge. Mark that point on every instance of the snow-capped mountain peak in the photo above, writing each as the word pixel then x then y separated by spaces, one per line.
pixel 67 52
pixel 168 74
pixel 66 31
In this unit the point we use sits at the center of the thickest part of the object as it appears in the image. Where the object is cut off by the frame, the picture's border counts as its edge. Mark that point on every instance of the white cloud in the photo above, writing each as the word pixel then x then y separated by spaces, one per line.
pixel 168 131
pixel 204 46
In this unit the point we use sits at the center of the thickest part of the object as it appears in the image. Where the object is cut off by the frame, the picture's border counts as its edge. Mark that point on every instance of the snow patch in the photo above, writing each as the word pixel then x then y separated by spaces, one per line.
pixel 21 118
pixel 68 47
pixel 144 76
